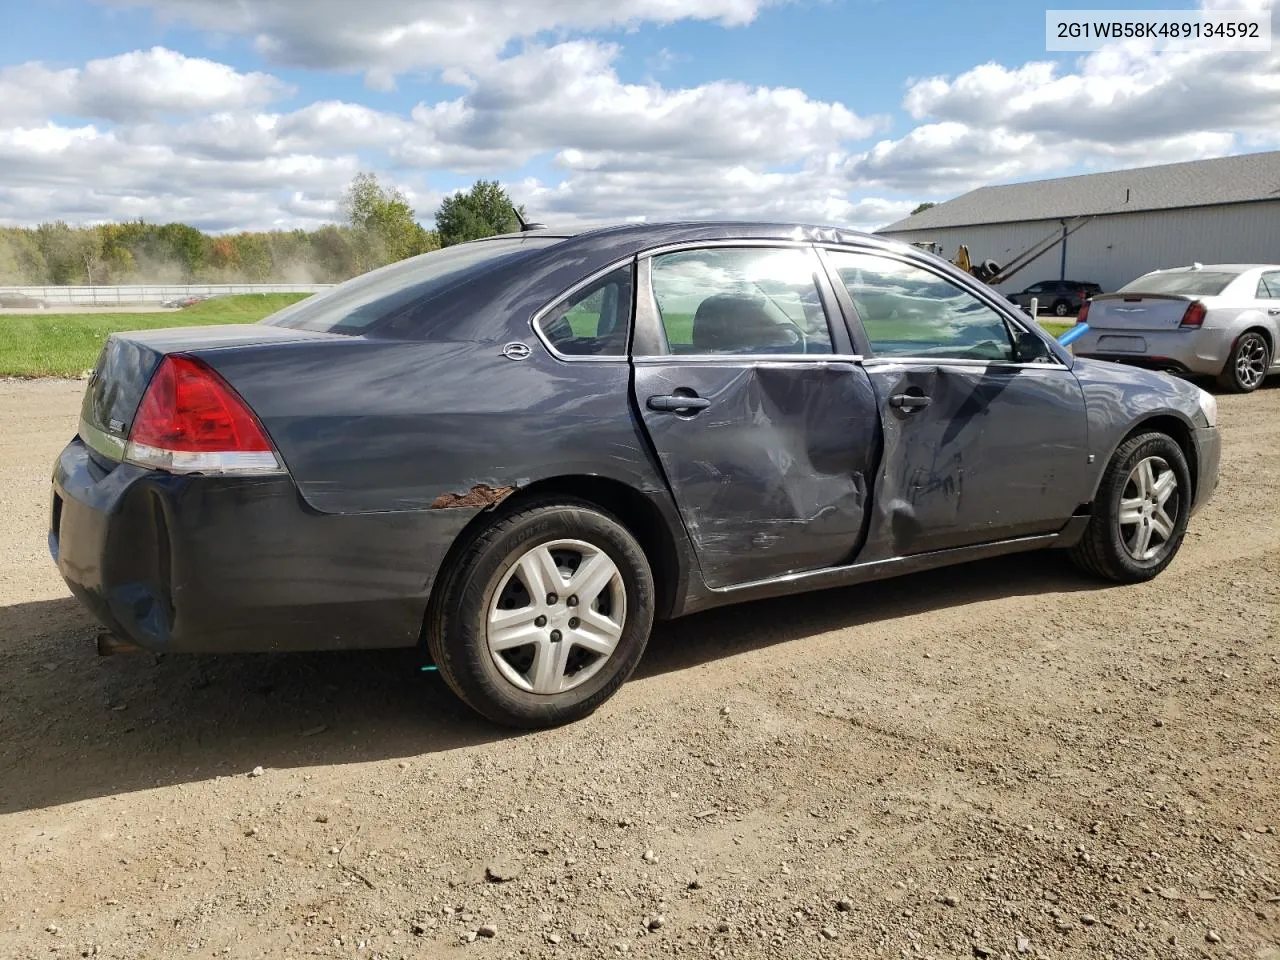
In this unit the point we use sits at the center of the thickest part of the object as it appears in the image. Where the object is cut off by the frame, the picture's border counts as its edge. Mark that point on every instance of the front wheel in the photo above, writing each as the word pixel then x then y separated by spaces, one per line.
pixel 544 616
pixel 1061 308
pixel 1140 512
pixel 1247 365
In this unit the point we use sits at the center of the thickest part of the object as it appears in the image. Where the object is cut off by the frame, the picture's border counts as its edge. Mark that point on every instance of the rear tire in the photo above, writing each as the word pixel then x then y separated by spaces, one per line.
pixel 1140 512
pixel 511 637
pixel 1247 365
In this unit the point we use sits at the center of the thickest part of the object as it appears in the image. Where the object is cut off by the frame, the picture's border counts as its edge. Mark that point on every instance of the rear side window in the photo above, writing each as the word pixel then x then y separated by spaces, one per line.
pixel 907 311
pixel 1189 283
pixel 594 321
pixel 740 300
pixel 1269 286
pixel 398 294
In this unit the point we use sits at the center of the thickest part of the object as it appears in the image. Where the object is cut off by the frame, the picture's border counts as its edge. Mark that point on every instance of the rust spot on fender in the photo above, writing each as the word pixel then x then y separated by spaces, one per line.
pixel 481 495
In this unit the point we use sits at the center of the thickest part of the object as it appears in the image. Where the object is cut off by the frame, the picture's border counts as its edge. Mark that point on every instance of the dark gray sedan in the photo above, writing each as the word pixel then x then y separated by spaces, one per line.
pixel 518 452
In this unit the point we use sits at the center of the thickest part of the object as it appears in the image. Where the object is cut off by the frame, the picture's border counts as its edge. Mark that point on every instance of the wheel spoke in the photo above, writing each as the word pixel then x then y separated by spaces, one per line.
pixel 547 673
pixel 597 633
pixel 593 575
pixel 1142 541
pixel 1162 524
pixel 1130 511
pixel 540 574
pixel 1164 487
pixel 514 628
pixel 1144 479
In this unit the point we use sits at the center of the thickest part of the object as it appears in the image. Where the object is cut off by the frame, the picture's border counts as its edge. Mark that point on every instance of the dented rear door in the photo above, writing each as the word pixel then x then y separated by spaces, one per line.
pixel 768 445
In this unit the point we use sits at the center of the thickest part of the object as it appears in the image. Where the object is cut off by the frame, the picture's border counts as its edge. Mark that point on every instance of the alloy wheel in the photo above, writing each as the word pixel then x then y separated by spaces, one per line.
pixel 1251 361
pixel 556 617
pixel 1149 506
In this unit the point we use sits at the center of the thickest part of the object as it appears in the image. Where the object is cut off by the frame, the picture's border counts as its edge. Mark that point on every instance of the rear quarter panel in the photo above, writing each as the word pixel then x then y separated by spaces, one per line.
pixel 376 425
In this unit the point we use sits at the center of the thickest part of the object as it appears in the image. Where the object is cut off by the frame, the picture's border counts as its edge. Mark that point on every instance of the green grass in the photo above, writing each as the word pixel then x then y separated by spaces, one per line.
pixel 67 344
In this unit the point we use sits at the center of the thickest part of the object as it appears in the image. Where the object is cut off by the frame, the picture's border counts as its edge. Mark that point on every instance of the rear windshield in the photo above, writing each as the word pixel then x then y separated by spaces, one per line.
pixel 397 292
pixel 1191 283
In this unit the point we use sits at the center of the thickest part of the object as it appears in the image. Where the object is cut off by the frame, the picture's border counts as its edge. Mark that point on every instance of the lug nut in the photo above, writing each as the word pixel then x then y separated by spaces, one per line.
pixel 555 636
pixel 552 599
pixel 572 601
pixel 573 623
pixel 540 622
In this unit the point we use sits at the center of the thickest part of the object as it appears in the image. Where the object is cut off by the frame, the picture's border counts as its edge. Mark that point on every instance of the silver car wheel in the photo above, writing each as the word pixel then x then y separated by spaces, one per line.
pixel 556 617
pixel 1251 361
pixel 1149 506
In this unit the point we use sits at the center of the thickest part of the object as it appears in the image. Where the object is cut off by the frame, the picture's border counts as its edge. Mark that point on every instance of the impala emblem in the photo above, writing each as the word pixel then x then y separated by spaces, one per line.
pixel 516 351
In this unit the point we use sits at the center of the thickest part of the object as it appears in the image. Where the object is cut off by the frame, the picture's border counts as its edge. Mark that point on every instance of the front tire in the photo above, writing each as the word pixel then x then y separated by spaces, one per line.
pixel 1247 365
pixel 544 616
pixel 1061 308
pixel 1140 512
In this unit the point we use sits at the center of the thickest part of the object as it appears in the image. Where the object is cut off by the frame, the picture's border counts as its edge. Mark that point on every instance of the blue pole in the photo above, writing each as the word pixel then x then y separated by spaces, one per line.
pixel 1069 337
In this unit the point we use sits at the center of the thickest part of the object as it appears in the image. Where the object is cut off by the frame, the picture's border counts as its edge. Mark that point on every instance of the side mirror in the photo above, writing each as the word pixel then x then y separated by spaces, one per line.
pixel 1028 348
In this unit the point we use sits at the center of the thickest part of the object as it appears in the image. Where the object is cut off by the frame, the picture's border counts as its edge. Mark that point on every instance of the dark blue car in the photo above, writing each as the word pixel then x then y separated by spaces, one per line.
pixel 518 452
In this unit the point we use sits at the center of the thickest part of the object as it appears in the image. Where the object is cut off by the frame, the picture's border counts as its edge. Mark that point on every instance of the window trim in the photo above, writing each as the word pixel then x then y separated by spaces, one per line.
pixel 536 319
pixel 986 296
pixel 649 344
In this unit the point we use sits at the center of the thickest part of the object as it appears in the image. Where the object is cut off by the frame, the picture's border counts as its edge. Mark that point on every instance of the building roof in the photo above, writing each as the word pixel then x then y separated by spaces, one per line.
pixel 1199 183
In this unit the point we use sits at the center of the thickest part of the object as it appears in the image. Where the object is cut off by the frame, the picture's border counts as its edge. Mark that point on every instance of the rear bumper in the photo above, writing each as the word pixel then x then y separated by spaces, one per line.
pixel 1208 453
pixel 1200 352
pixel 214 564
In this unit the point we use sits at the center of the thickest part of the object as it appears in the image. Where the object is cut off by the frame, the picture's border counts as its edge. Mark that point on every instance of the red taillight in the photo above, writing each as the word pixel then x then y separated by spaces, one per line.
pixel 1194 316
pixel 192 421
pixel 1083 315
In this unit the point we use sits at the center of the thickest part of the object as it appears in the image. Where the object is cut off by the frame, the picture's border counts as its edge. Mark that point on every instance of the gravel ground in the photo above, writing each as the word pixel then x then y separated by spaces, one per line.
pixel 995 760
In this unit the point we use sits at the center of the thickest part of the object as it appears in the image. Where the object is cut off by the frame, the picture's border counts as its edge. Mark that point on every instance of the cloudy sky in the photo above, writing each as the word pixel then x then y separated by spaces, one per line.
pixel 251 114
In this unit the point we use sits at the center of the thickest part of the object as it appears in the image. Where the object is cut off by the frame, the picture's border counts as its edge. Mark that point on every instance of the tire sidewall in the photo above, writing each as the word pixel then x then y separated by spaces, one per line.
pixel 1136 450
pixel 464 635
pixel 1061 308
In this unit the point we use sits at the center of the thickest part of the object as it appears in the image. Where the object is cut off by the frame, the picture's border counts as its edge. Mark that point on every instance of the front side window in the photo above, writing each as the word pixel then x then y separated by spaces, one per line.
pixel 909 312
pixel 1269 286
pixel 740 300
pixel 593 322
pixel 1036 288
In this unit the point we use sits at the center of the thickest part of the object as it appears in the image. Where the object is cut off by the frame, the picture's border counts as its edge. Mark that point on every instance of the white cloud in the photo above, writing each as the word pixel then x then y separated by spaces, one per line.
pixel 132 86
pixel 1125 105
pixel 388 37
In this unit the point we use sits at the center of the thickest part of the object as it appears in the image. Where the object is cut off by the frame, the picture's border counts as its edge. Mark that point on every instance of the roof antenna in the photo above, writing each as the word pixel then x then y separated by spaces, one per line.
pixel 525 225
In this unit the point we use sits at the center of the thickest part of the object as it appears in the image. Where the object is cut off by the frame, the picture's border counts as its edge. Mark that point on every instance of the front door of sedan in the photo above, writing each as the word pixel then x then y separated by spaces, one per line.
pixel 979 445
pixel 766 429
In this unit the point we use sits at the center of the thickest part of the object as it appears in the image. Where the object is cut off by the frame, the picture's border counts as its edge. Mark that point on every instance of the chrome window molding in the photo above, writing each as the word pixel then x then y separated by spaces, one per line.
pixel 600 274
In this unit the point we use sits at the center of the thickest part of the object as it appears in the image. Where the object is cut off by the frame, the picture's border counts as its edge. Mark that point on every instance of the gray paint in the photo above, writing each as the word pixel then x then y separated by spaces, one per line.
pixel 798 474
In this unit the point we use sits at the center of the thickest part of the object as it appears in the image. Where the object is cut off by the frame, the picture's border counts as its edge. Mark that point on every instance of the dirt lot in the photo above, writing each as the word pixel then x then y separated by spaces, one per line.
pixel 987 761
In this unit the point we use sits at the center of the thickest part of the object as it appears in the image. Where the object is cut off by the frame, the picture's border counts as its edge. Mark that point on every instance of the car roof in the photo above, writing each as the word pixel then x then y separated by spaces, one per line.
pixel 1220 268
pixel 681 230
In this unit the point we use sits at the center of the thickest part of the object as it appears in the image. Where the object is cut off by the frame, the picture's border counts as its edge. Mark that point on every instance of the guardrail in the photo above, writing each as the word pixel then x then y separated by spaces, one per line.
pixel 152 293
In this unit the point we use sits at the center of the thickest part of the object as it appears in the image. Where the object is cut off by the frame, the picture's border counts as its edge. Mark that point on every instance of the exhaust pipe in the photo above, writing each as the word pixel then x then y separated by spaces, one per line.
pixel 109 645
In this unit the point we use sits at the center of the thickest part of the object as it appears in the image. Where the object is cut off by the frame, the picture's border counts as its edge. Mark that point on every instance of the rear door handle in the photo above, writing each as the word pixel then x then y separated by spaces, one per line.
pixel 674 404
pixel 909 401
pixel 1274 312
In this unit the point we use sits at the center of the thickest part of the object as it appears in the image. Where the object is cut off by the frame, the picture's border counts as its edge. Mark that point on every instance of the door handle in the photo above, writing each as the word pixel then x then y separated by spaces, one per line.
pixel 1274 312
pixel 909 401
pixel 677 404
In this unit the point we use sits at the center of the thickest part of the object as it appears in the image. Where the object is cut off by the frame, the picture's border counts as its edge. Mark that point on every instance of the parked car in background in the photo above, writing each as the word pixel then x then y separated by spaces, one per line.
pixel 520 451
pixel 1218 320
pixel 1058 297
pixel 20 300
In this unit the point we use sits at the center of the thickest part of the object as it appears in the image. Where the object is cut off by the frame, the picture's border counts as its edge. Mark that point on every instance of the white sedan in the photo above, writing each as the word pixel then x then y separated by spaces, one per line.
pixel 1217 320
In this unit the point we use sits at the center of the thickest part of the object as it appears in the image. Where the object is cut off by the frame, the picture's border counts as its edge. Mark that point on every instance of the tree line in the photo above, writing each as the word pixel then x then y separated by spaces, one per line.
pixel 378 227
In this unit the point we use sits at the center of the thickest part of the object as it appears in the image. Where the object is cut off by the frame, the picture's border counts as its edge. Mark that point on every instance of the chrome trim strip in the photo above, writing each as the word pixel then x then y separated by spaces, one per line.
pixel 805 358
pixel 100 441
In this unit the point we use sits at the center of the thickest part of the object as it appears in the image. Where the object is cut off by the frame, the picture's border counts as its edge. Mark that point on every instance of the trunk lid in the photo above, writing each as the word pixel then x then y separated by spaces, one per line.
pixel 1138 311
pixel 128 360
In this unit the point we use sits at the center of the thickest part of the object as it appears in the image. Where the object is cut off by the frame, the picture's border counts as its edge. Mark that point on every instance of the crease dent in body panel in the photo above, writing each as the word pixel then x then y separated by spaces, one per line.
pixel 481 495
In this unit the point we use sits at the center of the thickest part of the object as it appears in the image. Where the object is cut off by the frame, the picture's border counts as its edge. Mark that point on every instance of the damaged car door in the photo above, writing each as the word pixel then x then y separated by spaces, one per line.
pixel 766 428
pixel 985 430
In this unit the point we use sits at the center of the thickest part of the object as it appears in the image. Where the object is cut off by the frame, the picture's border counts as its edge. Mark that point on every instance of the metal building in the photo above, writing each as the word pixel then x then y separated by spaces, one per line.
pixel 1118 225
